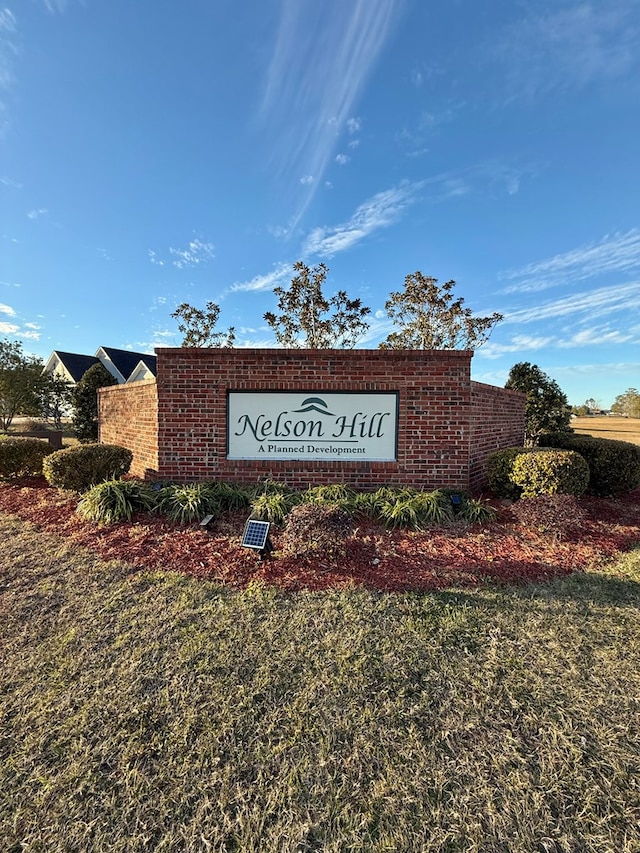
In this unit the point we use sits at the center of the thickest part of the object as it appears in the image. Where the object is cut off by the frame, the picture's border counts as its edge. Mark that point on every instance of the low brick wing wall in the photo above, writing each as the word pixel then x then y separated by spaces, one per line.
pixel 497 421
pixel 128 416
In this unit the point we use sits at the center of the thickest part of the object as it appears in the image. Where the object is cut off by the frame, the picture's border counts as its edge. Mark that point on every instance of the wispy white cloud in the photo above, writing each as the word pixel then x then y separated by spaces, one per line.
pixel 9 182
pixel 197 252
pixel 265 282
pixel 30 331
pixel 597 336
pixel 56 5
pixel 342 159
pixel 518 343
pixel 592 304
pixel 306 180
pixel 614 253
pixel 9 49
pixel 36 214
pixel 380 211
pixel 354 125
pixel 568 45
pixel 322 56
pixel 588 336
pixel 414 139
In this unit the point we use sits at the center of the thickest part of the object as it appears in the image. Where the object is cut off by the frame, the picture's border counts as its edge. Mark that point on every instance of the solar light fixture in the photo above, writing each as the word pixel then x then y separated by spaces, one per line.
pixel 206 521
pixel 456 502
pixel 256 536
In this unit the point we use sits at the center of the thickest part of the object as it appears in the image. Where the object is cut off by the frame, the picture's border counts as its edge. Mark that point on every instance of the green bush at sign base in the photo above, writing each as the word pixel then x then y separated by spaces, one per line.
pixel 22 457
pixel 77 469
pixel 614 466
pixel 499 468
pixel 550 472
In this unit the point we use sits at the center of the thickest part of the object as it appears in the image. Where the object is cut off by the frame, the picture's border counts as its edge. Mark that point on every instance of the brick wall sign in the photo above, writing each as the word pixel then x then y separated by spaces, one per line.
pixel 357 427
pixel 362 418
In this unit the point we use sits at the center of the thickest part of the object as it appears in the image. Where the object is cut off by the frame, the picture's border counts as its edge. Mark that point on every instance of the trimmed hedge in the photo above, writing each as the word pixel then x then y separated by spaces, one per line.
pixel 77 469
pixel 614 466
pixel 499 468
pixel 22 457
pixel 550 472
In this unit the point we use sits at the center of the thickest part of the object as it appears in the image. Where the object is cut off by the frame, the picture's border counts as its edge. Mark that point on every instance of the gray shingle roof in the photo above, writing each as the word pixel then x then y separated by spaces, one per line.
pixel 76 364
pixel 126 361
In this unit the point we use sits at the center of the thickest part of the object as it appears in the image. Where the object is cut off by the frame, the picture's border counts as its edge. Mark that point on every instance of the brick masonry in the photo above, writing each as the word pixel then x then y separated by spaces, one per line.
pixel 447 425
pixel 128 416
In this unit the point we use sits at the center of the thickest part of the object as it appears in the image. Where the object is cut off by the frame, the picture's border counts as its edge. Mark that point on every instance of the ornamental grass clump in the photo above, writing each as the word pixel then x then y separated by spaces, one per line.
pixel 116 500
pixel 229 497
pixel 415 510
pixel 370 504
pixel 274 506
pixel 476 511
pixel 22 457
pixel 186 503
pixel 337 493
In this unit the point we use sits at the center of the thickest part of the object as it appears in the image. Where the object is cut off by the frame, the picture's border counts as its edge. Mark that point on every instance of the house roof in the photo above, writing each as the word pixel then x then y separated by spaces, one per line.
pixel 75 363
pixel 126 361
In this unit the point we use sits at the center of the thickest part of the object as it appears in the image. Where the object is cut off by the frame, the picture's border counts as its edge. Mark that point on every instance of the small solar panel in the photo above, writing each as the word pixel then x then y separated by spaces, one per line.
pixel 255 534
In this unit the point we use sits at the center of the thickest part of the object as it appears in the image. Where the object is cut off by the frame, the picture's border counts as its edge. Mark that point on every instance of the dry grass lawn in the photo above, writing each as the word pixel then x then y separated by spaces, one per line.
pixel 155 712
pixel 621 429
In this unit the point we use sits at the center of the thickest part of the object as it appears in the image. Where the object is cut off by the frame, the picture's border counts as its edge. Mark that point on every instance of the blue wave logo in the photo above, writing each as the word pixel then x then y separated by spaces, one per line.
pixel 311 404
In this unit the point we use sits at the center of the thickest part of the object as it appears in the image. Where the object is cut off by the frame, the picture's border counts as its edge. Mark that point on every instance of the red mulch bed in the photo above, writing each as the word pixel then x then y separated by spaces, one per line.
pixel 390 560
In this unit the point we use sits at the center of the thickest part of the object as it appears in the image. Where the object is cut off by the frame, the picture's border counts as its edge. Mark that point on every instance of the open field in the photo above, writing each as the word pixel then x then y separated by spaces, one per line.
pixel 153 711
pixel 622 429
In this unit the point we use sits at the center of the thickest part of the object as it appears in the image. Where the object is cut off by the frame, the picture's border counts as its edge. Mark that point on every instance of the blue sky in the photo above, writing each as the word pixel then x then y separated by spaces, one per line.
pixel 154 153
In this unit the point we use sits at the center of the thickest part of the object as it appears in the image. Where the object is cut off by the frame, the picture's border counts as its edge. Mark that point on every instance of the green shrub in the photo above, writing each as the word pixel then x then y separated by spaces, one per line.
pixel 22 457
pixel 79 468
pixel 614 466
pixel 84 397
pixel 316 528
pixel 554 516
pixel 549 472
pixel 186 503
pixel 499 468
pixel 116 500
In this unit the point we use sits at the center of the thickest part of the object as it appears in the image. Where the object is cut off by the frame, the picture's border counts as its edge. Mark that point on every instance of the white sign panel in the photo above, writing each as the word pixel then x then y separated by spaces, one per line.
pixel 312 425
